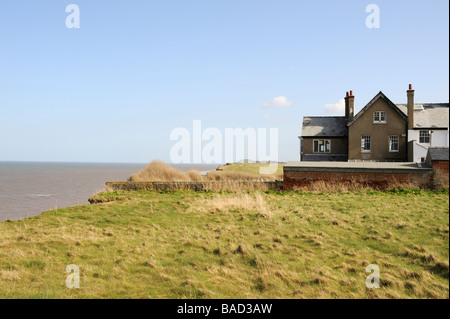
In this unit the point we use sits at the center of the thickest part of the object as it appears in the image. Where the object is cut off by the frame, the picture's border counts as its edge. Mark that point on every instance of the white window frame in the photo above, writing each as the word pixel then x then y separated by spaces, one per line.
pixel 378 117
pixel 427 136
pixel 364 139
pixel 391 143
pixel 324 143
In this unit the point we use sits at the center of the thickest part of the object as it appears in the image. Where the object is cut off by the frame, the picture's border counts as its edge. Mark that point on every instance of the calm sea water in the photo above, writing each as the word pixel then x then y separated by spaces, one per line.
pixel 29 188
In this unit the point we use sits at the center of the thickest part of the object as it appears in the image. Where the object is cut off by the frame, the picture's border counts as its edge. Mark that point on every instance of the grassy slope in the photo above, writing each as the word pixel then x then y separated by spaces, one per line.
pixel 186 244
pixel 249 168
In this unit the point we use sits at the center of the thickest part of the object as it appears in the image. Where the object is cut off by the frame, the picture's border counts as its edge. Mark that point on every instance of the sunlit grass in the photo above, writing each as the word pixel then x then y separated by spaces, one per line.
pixel 182 244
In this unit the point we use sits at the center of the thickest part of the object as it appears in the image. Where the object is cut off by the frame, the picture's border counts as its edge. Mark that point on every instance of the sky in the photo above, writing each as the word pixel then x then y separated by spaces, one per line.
pixel 115 88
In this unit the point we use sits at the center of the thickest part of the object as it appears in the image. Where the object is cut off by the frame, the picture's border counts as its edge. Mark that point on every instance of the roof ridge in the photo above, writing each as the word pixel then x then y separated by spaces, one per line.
pixel 426 103
pixel 380 95
pixel 324 116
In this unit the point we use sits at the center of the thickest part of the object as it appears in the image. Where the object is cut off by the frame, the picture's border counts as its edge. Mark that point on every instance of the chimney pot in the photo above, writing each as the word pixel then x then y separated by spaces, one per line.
pixel 351 93
pixel 346 94
pixel 410 86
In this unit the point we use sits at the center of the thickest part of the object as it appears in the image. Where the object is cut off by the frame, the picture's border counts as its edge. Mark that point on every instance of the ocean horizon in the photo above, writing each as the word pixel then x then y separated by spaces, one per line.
pixel 30 188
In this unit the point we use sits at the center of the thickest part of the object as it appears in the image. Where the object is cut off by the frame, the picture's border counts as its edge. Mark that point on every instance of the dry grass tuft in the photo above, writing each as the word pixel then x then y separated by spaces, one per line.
pixel 10 275
pixel 321 186
pixel 237 203
pixel 158 171
pixel 195 176
pixel 220 176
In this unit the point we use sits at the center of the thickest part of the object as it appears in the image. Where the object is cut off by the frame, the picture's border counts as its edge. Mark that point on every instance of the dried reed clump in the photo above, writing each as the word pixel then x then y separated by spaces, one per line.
pixel 195 176
pixel 158 171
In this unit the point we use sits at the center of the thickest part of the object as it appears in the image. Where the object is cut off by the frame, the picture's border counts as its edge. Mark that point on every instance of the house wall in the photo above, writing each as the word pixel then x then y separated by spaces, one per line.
pixel 380 133
pixel 439 138
pixel 339 149
pixel 416 152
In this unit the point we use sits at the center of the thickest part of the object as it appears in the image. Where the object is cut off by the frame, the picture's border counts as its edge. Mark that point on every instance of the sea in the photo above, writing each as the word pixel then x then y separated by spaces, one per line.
pixel 29 188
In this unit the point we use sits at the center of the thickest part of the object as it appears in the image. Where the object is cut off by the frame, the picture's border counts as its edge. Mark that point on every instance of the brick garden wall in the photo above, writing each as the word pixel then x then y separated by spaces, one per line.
pixel 440 174
pixel 293 179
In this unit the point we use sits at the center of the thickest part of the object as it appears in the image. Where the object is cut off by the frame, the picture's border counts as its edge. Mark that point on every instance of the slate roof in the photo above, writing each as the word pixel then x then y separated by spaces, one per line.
pixel 429 115
pixel 426 115
pixel 438 153
pixel 326 126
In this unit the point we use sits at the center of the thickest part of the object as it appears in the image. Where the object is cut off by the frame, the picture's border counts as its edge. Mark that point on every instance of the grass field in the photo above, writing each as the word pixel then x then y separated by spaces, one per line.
pixel 249 168
pixel 147 244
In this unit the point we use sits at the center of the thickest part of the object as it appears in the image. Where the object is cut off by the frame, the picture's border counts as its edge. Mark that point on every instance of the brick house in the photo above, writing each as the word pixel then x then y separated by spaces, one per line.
pixel 380 131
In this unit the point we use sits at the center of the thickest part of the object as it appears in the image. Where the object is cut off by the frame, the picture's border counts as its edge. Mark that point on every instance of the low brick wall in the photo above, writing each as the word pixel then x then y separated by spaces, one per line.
pixel 379 178
pixel 195 186
pixel 441 174
pixel 441 166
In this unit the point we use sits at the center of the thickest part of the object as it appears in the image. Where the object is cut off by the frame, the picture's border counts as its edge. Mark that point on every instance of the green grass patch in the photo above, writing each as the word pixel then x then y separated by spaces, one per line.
pixel 183 244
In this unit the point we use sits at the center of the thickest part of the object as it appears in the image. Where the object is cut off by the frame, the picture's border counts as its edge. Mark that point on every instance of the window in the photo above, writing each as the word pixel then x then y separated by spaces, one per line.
pixel 366 144
pixel 422 159
pixel 424 137
pixel 379 117
pixel 322 146
pixel 394 143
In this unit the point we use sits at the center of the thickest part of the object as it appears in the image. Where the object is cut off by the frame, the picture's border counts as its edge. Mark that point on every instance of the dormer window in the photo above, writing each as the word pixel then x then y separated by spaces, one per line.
pixel 379 117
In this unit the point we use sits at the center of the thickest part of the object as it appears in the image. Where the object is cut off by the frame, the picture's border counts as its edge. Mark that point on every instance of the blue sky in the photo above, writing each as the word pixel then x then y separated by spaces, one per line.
pixel 114 89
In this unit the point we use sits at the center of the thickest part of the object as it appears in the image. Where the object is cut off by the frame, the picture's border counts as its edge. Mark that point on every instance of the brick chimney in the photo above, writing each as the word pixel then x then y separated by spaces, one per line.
pixel 349 106
pixel 410 94
pixel 346 105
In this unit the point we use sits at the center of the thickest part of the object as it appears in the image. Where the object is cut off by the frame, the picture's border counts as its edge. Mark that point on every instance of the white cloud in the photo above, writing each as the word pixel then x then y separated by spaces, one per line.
pixel 279 101
pixel 269 116
pixel 337 108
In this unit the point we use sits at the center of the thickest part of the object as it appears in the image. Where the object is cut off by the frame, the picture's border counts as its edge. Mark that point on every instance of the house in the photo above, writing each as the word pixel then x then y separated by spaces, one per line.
pixel 380 131
pixel 427 127
pixel 324 138
pixel 438 157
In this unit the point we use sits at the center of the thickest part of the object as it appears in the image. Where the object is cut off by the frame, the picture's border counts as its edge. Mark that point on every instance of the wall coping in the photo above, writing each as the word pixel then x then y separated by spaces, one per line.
pixel 358 167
